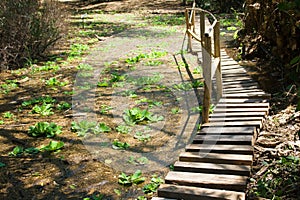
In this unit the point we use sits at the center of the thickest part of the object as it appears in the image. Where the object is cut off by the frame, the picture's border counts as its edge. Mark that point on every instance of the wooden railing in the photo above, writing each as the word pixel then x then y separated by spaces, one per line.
pixel 209 38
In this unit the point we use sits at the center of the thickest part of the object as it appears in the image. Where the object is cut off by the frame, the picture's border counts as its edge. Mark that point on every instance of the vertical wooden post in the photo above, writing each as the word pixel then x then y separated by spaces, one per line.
pixel 202 25
pixel 193 20
pixel 187 21
pixel 217 53
pixel 206 52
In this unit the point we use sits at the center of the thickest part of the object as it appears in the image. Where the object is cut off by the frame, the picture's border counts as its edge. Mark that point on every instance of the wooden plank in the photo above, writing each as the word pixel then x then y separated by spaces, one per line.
pixel 197 193
pixel 227 130
pixel 215 181
pixel 243 105
pixel 161 198
pixel 237 114
pixel 219 148
pixel 218 158
pixel 225 123
pixel 225 118
pixel 213 168
pixel 239 110
pixel 239 83
pixel 223 139
pixel 245 100
pixel 241 79
pixel 239 87
pixel 252 95
pixel 248 91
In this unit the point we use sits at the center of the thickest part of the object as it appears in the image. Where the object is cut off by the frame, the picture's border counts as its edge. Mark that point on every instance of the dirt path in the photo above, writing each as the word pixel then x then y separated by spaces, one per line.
pixel 143 56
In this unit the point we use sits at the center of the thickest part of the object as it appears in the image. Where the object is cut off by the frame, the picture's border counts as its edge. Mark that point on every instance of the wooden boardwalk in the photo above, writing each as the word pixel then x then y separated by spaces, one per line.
pixel 217 164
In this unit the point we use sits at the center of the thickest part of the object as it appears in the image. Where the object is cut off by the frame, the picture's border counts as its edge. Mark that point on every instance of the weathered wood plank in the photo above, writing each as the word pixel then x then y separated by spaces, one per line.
pixel 225 118
pixel 215 181
pixel 223 139
pixel 235 159
pixel 212 168
pixel 196 193
pixel 245 100
pixel 245 91
pixel 227 130
pixel 238 114
pixel 243 105
pixel 239 110
pixel 257 123
pixel 161 198
pixel 219 148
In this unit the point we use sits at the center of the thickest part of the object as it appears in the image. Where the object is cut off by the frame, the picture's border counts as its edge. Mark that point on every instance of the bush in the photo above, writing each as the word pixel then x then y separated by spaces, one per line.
pixel 28 28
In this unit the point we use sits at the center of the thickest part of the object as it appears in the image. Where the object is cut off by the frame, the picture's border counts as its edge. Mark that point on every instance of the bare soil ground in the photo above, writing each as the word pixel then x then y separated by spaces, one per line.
pixel 117 62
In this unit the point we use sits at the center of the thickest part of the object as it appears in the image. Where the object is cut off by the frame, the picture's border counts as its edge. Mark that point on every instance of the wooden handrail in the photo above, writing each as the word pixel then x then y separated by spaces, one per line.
pixel 205 38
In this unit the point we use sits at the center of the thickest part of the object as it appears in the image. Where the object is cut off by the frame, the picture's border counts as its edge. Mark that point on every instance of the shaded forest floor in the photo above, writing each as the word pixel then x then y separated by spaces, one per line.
pixel 127 44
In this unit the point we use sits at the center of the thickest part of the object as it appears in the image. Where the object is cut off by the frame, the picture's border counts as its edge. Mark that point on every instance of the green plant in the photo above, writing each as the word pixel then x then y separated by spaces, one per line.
pixel 16 151
pixel 128 180
pixel 199 109
pixel 152 187
pixel 8 86
pixel 137 115
pixel 95 197
pixel 52 82
pixel 83 127
pixel 123 129
pixel 142 198
pixel 166 20
pixel 120 145
pixel 138 161
pixel 103 83
pixel 280 179
pixel 175 110
pixel 64 106
pixel 44 109
pixel 147 80
pixel 8 115
pixel 39 100
pixel 44 129
pixel 154 63
pixel 141 137
pixel 48 66
pixel 85 67
pixel 2 164
pixel 53 146
pixel 183 86
pixel 105 108
pixel 1 122
pixel 77 50
pixel 150 102
pixel 197 70
pixel 197 84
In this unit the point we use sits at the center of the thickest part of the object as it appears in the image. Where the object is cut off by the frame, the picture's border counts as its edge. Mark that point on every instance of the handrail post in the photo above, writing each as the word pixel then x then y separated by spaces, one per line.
pixel 217 53
pixel 202 25
pixel 207 65
pixel 187 21
pixel 193 20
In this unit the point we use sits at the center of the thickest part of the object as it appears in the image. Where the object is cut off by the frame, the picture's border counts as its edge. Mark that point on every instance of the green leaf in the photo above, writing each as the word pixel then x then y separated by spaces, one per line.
pixel 32 150
pixel 16 151
pixel 2 164
pixel 53 146
pixel 295 60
